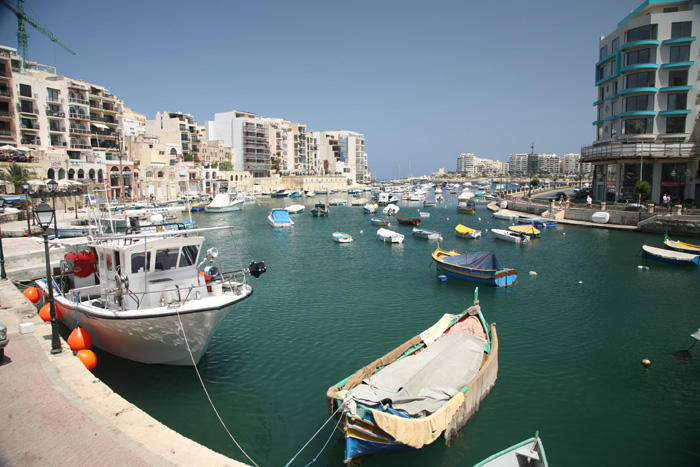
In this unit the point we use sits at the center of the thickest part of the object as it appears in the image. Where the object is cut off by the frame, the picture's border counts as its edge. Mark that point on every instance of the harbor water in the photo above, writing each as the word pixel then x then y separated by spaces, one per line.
pixel 586 309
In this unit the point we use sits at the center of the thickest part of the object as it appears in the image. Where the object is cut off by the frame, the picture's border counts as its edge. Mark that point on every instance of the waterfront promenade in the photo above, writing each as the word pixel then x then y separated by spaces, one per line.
pixel 56 412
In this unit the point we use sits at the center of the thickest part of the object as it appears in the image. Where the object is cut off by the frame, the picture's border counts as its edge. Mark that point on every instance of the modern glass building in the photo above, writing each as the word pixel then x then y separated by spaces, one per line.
pixel 647 77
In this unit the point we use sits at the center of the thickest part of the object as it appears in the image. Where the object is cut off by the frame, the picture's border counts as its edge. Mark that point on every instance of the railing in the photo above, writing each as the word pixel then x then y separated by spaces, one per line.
pixel 73 100
pixel 78 116
pixel 80 146
pixel 79 131
pixel 6 113
pixel 9 133
pixel 636 150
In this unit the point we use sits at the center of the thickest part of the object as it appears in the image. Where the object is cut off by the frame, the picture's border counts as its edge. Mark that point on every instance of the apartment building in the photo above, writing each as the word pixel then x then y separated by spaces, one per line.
pixel 465 163
pixel 647 77
pixel 518 163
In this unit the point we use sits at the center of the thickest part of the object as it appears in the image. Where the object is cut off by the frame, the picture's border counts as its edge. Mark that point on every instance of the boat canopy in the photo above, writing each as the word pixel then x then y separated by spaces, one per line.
pixel 478 260
pixel 280 215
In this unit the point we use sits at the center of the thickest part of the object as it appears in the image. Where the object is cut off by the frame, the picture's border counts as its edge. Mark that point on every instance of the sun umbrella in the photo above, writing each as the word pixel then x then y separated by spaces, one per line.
pixel 7 147
pixel 23 148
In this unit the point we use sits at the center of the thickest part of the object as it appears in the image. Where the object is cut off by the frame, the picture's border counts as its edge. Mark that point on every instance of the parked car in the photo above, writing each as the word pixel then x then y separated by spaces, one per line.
pixel 3 341
pixel 558 196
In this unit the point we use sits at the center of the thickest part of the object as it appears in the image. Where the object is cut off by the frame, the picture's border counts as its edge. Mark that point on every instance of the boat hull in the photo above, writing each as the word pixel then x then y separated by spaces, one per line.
pixel 152 336
pixel 491 277
pixel 671 256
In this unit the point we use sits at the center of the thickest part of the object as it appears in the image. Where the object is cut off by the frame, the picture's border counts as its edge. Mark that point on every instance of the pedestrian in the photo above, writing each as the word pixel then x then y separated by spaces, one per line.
pixel 589 201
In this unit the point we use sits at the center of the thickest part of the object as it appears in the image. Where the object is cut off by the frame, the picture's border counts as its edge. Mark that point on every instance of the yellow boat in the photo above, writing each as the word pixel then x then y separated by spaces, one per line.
pixel 528 230
pixel 464 231
pixel 681 246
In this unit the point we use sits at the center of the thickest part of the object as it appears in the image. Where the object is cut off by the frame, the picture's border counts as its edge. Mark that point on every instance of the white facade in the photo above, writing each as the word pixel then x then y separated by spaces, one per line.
pixel 518 163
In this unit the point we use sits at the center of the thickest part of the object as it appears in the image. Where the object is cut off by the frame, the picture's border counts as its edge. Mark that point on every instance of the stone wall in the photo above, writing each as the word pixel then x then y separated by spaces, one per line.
pixel 675 225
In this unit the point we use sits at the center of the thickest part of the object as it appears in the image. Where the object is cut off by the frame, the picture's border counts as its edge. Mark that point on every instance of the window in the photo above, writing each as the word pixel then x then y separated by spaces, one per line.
pixel 677 101
pixel 640 80
pixel 682 29
pixel 140 262
pixel 603 54
pixel 641 56
pixel 675 124
pixel 615 44
pixel 166 259
pixel 614 108
pixel 25 90
pixel 614 87
pixel 613 130
pixel 53 95
pixel 641 33
pixel 680 53
pixel 638 126
pixel 600 113
pixel 678 78
pixel 188 255
pixel 26 107
pixel 637 103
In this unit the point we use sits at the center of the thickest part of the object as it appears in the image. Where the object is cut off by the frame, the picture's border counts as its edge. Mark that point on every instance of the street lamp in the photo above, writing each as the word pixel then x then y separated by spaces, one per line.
pixel 75 201
pixel 25 190
pixel 44 216
pixel 3 273
pixel 53 185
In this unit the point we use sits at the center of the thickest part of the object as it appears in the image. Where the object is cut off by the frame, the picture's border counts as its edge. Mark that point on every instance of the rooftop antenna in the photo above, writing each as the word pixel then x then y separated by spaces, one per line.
pixel 23 36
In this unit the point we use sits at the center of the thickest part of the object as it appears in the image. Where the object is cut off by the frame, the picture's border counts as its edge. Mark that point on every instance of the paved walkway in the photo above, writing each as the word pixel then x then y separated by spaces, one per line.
pixel 53 411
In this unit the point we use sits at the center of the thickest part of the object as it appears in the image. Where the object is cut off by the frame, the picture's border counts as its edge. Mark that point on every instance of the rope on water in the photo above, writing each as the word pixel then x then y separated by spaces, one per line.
pixel 317 432
pixel 207 392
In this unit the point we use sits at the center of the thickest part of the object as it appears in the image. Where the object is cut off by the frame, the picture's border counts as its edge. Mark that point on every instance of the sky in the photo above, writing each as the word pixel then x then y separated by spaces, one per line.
pixel 424 81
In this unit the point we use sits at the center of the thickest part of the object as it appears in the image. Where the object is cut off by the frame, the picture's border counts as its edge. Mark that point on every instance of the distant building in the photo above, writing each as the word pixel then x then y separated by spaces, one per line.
pixel 465 163
pixel 647 105
pixel 518 163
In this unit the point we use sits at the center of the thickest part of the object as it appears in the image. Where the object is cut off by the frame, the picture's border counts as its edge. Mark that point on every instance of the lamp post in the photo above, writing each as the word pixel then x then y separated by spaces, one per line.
pixel 25 190
pixel 53 185
pixel 44 216
pixel 74 191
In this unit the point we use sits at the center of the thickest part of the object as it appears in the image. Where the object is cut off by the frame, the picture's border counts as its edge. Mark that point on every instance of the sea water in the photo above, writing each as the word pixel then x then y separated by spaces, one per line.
pixel 571 338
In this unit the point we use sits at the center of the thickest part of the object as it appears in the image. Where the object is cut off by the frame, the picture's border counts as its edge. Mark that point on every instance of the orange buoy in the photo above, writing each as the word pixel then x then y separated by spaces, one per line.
pixel 88 358
pixel 45 313
pixel 79 339
pixel 32 294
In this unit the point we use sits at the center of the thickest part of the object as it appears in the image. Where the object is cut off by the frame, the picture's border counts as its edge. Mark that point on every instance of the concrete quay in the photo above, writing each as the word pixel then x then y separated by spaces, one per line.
pixel 53 411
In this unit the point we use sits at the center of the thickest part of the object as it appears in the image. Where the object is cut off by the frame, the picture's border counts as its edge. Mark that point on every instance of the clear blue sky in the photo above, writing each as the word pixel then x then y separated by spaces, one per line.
pixel 423 81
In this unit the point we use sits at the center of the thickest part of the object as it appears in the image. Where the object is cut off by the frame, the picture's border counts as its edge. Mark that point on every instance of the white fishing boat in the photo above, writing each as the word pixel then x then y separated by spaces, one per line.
pixel 279 218
pixel 341 237
pixel 427 234
pixel 225 202
pixel 389 236
pixel 146 297
pixel 506 216
pixel 390 210
pixel 295 208
pixel 338 202
pixel 510 236
pixel 370 208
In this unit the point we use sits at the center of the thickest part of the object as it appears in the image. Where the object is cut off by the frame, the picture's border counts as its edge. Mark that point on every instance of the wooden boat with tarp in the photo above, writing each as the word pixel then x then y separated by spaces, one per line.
pixel 428 387
pixel 464 231
pixel 670 256
pixel 681 246
pixel 481 267
pixel 529 452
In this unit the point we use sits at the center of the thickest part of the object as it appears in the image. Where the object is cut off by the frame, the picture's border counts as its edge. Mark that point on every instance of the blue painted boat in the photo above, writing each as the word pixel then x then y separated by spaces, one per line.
pixel 394 403
pixel 320 210
pixel 480 267
pixel 670 256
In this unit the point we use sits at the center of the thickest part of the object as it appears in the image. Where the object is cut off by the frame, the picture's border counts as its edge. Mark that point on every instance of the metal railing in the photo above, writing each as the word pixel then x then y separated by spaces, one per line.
pixel 638 149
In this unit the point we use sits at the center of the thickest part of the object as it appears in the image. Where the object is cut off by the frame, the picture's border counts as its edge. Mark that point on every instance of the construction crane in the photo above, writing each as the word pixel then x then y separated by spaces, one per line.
pixel 22 36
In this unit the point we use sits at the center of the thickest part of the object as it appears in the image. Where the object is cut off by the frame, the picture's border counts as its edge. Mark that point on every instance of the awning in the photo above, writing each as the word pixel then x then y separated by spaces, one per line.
pixel 99 125
pixel 183 173
pixel 26 115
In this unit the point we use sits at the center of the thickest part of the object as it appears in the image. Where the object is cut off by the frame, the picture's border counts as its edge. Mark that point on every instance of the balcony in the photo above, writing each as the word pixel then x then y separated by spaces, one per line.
pixel 6 93
pixel 59 144
pixel 7 114
pixel 636 150
pixel 74 100
pixel 33 126
pixel 27 109
pixel 57 129
pixel 79 131
pixel 7 134
pixel 76 116
pixel 80 146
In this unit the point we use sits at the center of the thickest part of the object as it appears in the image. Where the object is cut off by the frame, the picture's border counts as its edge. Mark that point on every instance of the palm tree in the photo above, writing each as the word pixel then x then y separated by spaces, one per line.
pixel 16 174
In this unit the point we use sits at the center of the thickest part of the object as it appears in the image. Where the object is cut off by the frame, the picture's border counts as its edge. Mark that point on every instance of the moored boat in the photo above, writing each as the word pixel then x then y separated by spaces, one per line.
pixel 381 222
pixel 427 234
pixel 428 387
pixel 295 208
pixel 320 210
pixel 481 267
pixel 225 202
pixel 279 218
pixel 670 256
pixel 510 236
pixel 146 297
pixel 390 210
pixel 341 237
pixel 338 202
pixel 464 231
pixel 529 452
pixel 389 236
pixel 681 246
pixel 467 206
pixel 528 230
pixel 506 216
pixel 407 220
pixel 370 208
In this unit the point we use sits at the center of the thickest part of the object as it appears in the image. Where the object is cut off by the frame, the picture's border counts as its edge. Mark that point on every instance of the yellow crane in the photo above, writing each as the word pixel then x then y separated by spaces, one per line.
pixel 23 36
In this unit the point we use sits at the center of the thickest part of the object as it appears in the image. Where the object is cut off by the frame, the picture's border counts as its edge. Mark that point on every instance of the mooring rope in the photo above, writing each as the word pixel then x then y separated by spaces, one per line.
pixel 177 312
pixel 317 432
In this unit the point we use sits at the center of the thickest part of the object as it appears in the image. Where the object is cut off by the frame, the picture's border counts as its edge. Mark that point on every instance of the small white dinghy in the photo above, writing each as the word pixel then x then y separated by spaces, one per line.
pixel 341 237
pixel 510 236
pixel 389 236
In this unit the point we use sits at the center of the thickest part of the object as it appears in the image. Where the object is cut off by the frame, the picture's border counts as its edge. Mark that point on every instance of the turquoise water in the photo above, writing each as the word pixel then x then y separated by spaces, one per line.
pixel 571 340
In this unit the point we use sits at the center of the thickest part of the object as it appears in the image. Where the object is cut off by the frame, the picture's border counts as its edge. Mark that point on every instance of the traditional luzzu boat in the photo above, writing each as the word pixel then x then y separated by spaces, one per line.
pixel 464 231
pixel 428 387
pixel 145 297
pixel 529 452
pixel 320 210
pixel 670 256
pixel 481 267
pixel 681 246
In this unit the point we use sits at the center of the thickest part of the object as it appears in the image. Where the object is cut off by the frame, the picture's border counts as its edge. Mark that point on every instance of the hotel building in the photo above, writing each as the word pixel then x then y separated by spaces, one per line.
pixel 647 106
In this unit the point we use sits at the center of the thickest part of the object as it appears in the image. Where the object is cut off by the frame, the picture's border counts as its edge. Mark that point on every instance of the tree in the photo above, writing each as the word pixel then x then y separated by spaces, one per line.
pixel 535 182
pixel 642 188
pixel 16 174
pixel 225 166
